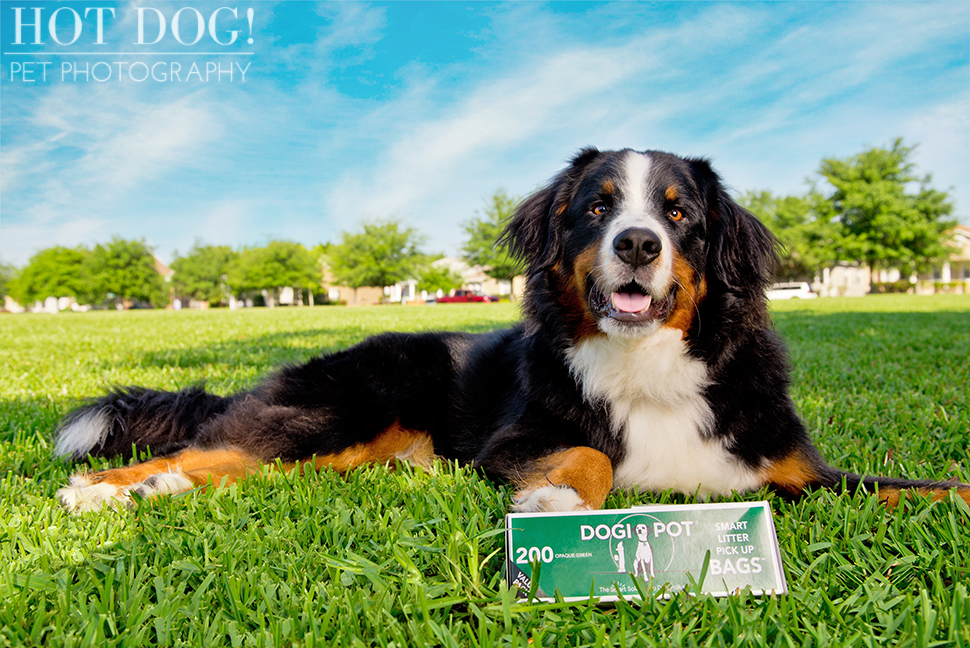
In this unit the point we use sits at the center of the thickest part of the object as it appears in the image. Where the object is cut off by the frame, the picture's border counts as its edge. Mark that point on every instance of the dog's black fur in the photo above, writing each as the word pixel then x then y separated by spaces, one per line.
pixel 514 402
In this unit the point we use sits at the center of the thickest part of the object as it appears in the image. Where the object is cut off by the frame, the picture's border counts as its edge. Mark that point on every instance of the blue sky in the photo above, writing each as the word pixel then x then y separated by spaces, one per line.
pixel 419 111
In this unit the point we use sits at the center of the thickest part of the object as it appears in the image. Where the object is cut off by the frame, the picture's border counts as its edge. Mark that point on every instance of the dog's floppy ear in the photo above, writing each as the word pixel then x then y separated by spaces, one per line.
pixel 528 234
pixel 534 234
pixel 742 253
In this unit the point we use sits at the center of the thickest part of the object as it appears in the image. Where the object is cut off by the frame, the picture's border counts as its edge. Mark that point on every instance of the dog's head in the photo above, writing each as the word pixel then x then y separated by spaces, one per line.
pixel 625 242
pixel 643 532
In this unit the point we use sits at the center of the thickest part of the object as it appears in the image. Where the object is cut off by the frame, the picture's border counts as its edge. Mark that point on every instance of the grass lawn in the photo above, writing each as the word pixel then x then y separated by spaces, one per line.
pixel 413 559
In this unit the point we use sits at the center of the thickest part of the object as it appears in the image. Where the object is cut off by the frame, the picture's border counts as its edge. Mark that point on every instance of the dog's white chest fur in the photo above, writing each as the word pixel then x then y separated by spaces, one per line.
pixel 655 392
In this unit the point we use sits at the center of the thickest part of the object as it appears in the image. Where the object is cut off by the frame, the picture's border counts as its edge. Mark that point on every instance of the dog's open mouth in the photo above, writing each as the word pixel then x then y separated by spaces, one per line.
pixel 630 303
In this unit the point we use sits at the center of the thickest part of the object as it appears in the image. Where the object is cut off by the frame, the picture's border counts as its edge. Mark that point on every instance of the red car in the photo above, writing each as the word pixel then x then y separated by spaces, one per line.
pixel 465 296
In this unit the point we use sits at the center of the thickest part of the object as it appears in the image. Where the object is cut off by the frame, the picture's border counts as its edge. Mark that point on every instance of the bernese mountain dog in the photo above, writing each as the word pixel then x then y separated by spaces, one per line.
pixel 645 359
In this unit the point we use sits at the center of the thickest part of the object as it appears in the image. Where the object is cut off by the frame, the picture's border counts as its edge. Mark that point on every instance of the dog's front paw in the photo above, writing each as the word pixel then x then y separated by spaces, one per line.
pixel 548 498
pixel 86 494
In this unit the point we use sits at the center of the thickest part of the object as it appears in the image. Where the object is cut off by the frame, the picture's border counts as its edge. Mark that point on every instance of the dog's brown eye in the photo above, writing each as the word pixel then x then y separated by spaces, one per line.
pixel 598 209
pixel 675 214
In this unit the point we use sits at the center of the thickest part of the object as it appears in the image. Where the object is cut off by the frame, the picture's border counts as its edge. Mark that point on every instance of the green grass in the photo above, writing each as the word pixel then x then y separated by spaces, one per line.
pixel 408 558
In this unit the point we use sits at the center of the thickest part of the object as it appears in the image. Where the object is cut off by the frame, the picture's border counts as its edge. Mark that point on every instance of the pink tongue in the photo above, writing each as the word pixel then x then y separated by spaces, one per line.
pixel 630 302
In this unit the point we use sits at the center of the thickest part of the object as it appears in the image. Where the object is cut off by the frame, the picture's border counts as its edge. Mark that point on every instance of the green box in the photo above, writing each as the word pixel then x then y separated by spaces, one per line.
pixel 601 552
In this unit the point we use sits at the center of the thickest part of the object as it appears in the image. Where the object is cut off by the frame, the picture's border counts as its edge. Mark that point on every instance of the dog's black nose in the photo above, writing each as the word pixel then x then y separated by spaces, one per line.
pixel 637 246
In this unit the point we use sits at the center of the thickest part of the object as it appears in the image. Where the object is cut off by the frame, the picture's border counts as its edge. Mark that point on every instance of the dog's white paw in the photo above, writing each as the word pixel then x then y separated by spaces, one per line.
pixel 82 495
pixel 163 484
pixel 549 498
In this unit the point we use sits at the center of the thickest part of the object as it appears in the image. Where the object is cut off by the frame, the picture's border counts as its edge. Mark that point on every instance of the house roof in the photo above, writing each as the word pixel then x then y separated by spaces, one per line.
pixel 961 237
pixel 162 269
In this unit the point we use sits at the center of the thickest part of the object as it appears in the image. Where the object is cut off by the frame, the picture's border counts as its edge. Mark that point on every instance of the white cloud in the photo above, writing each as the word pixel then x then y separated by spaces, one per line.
pixel 943 136
pixel 347 36
pixel 21 240
pixel 94 155
pixel 150 141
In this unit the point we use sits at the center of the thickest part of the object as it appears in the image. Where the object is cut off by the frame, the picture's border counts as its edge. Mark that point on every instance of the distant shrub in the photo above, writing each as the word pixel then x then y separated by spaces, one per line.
pixel 902 286
pixel 948 287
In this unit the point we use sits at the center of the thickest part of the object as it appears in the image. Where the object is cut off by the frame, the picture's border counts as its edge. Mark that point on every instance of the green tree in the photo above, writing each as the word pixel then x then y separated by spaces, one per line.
pixel 53 272
pixel 882 220
pixel 202 273
pixel 482 247
pixel 277 265
pixel 384 253
pixel 434 278
pixel 7 274
pixel 808 243
pixel 125 272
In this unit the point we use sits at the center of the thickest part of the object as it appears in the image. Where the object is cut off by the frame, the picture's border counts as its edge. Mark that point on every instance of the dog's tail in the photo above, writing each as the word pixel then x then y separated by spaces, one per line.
pixel 132 419
pixel 804 469
pixel 890 489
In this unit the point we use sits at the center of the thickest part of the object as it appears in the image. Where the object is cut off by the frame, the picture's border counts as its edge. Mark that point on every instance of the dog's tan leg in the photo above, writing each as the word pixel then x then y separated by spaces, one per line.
pixel 180 472
pixel 393 444
pixel 194 468
pixel 575 479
